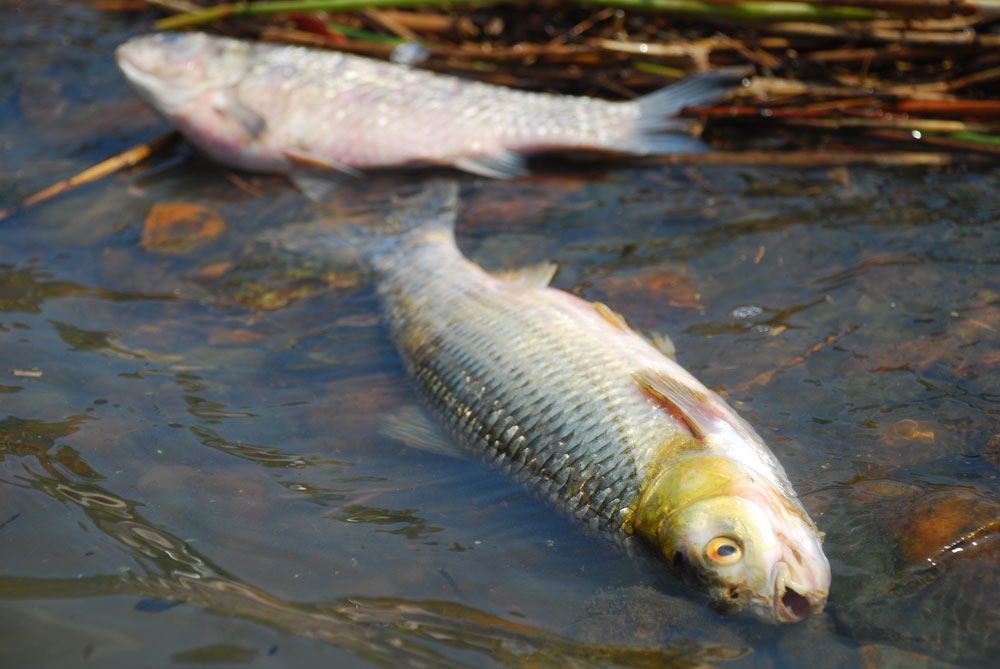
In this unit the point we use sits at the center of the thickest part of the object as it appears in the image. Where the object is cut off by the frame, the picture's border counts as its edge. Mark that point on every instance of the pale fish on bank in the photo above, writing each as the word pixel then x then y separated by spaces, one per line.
pixel 566 396
pixel 271 108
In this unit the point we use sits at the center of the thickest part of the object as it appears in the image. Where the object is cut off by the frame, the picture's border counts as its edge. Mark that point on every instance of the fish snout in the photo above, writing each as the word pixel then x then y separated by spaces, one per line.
pixel 796 595
pixel 135 57
pixel 139 68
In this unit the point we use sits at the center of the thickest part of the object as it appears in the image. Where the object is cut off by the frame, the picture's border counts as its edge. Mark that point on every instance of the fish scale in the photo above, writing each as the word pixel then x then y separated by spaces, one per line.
pixel 507 347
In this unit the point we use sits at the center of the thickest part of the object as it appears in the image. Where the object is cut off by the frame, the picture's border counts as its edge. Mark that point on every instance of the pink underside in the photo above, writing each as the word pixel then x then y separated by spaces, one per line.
pixel 225 141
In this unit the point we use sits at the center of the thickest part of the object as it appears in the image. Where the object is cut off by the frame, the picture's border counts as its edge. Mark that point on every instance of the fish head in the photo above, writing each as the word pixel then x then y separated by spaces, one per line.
pixel 171 70
pixel 738 537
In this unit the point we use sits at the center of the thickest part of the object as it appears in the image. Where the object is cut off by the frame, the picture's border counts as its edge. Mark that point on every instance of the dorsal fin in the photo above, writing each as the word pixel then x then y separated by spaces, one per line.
pixel 532 275
pixel 662 343
pixel 611 316
pixel 689 406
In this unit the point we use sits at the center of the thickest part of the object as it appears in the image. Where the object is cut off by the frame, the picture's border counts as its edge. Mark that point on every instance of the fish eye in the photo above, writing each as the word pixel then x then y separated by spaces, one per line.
pixel 723 551
pixel 180 47
pixel 171 38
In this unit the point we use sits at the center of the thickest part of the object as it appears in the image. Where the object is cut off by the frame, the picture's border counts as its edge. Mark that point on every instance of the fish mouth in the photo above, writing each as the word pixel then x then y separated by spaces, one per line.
pixel 128 59
pixel 792 602
pixel 141 75
pixel 146 84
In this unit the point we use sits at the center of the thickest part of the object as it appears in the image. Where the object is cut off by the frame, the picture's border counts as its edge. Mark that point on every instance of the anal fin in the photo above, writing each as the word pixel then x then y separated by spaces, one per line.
pixel 503 165
pixel 412 426
pixel 320 187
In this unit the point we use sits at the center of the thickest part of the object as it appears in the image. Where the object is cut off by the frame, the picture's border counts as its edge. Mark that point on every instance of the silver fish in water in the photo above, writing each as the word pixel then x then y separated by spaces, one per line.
pixel 566 396
pixel 271 108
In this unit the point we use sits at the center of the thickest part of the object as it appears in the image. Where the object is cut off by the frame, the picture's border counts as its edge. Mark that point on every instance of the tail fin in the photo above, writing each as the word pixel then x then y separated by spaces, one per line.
pixel 656 133
pixel 373 227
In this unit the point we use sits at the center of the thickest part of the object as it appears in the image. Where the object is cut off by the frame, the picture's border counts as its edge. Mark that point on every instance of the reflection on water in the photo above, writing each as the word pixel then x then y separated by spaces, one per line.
pixel 390 630
pixel 196 440
pixel 261 454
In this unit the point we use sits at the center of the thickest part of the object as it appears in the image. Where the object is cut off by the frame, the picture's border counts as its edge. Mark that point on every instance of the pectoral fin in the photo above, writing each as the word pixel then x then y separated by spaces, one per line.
pixel 304 158
pixel 241 118
pixel 690 407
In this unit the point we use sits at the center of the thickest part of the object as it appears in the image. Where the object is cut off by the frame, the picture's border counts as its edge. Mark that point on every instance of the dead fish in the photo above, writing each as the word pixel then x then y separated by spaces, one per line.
pixel 564 395
pixel 272 108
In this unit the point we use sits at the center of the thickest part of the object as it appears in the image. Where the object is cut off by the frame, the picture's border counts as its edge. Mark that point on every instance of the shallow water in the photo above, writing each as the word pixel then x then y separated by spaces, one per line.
pixel 193 465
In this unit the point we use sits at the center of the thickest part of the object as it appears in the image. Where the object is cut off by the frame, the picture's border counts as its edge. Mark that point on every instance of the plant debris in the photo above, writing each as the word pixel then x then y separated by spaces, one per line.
pixel 128 158
pixel 834 81
pixel 830 82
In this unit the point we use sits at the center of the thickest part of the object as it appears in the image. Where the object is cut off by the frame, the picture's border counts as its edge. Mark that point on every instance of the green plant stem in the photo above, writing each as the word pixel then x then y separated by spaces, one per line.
pixel 222 11
pixel 756 11
pixel 976 137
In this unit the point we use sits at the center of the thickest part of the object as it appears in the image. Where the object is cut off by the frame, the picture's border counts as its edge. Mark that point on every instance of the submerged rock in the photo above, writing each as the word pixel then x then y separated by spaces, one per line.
pixel 917 569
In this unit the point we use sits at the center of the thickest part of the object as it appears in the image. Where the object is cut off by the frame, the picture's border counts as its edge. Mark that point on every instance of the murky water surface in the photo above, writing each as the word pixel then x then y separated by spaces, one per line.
pixel 193 465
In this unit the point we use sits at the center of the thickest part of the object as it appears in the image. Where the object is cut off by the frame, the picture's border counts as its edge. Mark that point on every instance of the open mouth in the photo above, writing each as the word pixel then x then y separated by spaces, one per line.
pixel 789 604
pixel 796 605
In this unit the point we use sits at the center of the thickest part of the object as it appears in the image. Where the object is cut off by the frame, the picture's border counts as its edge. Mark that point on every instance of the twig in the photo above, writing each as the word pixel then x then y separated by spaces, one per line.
pixel 421 21
pixel 765 377
pixel 956 38
pixel 976 78
pixel 389 23
pixel 381 49
pixel 980 108
pixel 127 158
pixel 808 158
pixel 911 7
pixel 768 88
pixel 756 11
pixel 869 55
pixel 177 6
pixel 921 125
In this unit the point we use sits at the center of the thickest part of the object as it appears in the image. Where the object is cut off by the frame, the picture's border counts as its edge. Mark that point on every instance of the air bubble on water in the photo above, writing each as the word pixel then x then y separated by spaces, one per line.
pixel 409 53
pixel 745 312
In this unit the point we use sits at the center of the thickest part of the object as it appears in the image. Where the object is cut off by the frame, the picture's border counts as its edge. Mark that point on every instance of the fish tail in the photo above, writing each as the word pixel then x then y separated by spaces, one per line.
pixel 415 215
pixel 656 132
pixel 378 228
